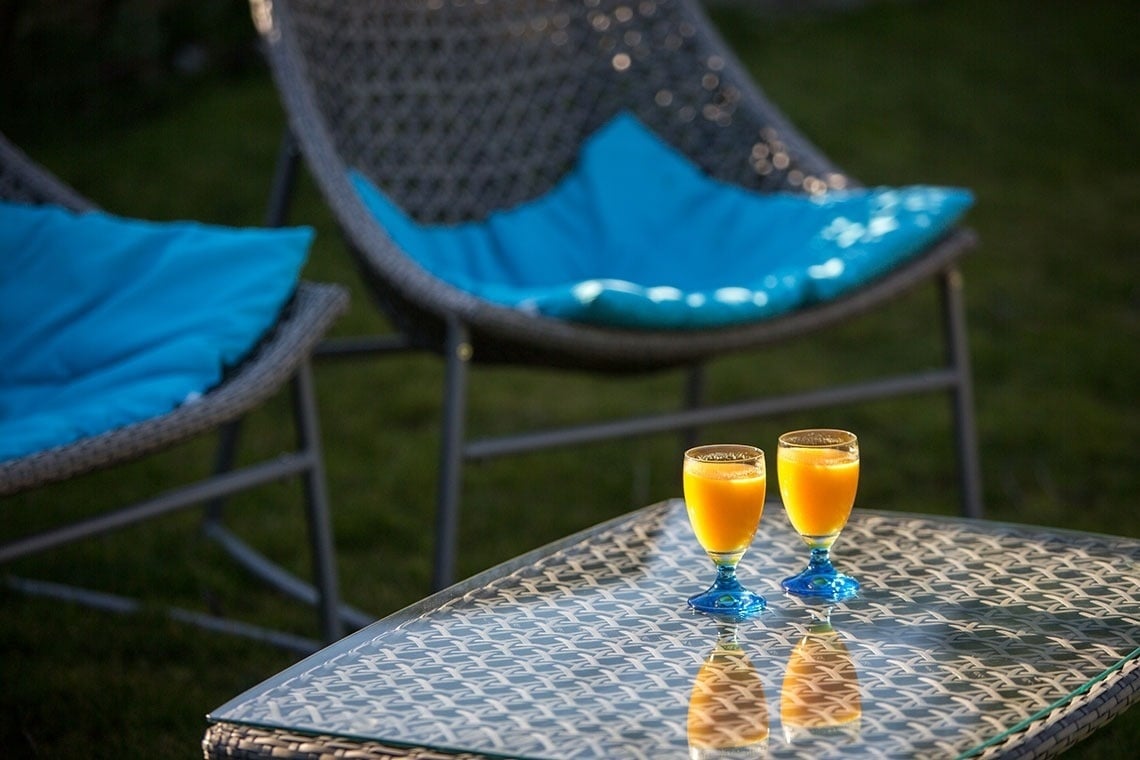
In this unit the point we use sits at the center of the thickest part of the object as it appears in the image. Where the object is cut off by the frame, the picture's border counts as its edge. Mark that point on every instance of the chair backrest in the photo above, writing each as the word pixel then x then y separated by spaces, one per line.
pixel 22 179
pixel 458 107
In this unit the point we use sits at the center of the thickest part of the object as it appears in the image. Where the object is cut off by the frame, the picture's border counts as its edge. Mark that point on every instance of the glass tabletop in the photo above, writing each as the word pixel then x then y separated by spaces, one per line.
pixel 964 633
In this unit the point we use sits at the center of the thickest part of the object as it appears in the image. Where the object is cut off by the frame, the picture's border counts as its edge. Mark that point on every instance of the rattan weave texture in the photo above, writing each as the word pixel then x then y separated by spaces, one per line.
pixel 280 360
pixel 458 107
pixel 304 322
pixel 308 316
pixel 455 108
pixel 970 638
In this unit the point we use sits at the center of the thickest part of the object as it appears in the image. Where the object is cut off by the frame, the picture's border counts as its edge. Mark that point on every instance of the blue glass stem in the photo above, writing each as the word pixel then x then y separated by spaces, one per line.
pixel 726 579
pixel 727 597
pixel 820 562
pixel 821 580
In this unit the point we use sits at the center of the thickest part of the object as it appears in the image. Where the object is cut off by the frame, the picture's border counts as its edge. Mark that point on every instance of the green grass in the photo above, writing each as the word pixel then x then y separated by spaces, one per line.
pixel 1032 105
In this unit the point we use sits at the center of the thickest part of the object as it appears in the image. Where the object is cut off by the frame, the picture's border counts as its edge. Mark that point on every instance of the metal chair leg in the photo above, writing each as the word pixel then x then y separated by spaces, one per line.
pixel 962 393
pixel 457 357
pixel 694 399
pixel 317 504
pixel 284 180
pixel 225 457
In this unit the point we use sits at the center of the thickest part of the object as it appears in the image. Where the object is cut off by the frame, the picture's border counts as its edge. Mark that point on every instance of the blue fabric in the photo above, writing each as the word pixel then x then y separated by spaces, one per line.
pixel 638 236
pixel 106 321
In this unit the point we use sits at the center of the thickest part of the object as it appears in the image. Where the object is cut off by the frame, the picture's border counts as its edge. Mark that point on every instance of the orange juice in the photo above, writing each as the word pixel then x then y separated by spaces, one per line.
pixel 728 708
pixel 725 501
pixel 821 686
pixel 818 487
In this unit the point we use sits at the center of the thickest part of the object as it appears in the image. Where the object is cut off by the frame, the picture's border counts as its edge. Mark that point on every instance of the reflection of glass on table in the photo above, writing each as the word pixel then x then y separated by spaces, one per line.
pixel 820 694
pixel 728 710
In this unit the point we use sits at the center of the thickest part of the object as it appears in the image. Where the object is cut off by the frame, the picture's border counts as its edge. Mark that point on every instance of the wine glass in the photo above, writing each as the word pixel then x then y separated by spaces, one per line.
pixel 728 710
pixel 818 471
pixel 820 694
pixel 724 494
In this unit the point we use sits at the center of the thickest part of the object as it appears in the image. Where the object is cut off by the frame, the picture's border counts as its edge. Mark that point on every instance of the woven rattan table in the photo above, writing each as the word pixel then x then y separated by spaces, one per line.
pixel 970 638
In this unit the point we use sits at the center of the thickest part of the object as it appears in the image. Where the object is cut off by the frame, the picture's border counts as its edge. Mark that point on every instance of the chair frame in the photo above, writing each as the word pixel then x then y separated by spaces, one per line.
pixel 283 358
pixel 429 314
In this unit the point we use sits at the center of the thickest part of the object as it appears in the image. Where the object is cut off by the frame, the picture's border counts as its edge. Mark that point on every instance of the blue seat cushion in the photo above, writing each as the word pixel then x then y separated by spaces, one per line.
pixel 638 236
pixel 106 321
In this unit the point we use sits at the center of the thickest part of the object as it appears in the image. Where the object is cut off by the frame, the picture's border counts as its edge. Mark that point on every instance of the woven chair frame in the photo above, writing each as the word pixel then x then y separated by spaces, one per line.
pixel 281 360
pixel 456 108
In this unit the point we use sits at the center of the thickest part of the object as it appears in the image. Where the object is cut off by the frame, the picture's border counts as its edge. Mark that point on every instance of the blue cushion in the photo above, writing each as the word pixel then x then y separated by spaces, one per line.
pixel 638 236
pixel 106 321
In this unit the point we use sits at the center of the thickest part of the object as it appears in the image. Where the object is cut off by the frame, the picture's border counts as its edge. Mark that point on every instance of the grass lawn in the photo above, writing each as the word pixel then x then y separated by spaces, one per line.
pixel 1031 105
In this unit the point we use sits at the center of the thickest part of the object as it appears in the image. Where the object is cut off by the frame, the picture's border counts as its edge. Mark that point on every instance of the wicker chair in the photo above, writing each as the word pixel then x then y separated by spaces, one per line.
pixel 461 107
pixel 281 359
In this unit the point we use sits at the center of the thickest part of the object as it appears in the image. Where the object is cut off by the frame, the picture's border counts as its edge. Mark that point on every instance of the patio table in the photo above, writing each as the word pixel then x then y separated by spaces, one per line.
pixel 969 638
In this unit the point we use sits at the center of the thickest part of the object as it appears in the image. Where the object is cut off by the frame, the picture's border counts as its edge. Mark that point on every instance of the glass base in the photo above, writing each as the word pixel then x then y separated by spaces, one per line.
pixel 848 731
pixel 726 598
pixel 735 605
pixel 820 579
pixel 758 750
pixel 815 584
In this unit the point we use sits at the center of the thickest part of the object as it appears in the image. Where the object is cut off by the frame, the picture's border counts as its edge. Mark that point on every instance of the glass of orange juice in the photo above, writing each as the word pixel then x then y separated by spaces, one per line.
pixel 724 493
pixel 818 471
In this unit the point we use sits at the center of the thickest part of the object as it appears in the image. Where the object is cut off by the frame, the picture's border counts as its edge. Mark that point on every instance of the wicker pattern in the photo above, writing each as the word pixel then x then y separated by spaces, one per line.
pixel 457 107
pixel 308 316
pixel 305 321
pixel 280 360
pixel 969 639
pixel 241 743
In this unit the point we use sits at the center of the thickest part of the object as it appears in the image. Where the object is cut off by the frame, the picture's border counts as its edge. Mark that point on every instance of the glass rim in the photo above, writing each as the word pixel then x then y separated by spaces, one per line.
pixel 743 452
pixel 829 437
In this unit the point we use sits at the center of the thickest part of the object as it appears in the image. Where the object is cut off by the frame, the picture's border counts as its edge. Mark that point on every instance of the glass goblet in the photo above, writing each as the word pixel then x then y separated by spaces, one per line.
pixel 818 470
pixel 724 494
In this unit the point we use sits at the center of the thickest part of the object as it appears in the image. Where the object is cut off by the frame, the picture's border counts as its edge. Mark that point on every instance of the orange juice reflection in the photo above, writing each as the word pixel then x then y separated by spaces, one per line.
pixel 820 693
pixel 818 488
pixel 728 710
